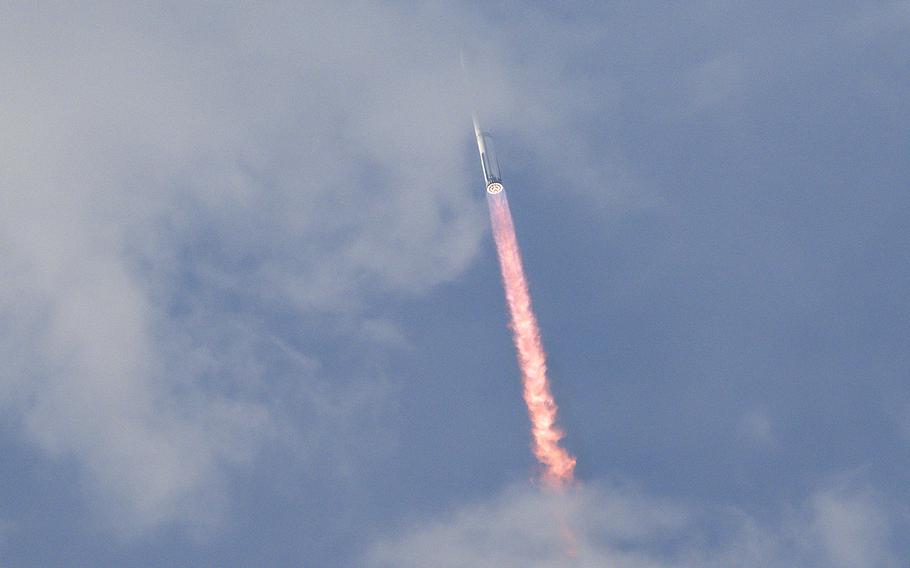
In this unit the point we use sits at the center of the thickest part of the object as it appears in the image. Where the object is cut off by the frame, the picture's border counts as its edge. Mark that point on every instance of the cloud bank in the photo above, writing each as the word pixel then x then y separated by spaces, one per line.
pixel 172 179
pixel 842 524
pixel 195 201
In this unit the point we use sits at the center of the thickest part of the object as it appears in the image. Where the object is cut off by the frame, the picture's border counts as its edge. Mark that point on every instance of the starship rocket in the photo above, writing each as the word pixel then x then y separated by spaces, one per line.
pixel 492 176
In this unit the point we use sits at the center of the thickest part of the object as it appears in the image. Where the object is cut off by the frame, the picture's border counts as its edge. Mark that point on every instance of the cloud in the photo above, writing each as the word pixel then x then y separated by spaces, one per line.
pixel 756 427
pixel 840 525
pixel 179 181
pixel 852 526
pixel 177 178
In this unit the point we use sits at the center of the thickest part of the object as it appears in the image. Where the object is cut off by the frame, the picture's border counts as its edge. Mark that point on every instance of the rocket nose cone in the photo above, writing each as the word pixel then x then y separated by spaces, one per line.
pixel 476 125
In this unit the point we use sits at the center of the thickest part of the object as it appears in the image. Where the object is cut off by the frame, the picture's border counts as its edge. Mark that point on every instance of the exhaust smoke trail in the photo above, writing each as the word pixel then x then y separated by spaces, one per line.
pixel 559 465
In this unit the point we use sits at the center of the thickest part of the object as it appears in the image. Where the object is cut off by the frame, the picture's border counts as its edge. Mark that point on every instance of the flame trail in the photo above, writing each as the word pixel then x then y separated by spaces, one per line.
pixel 558 463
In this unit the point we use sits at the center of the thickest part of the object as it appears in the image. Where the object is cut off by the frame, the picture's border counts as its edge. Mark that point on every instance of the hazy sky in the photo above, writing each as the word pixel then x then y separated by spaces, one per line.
pixel 250 312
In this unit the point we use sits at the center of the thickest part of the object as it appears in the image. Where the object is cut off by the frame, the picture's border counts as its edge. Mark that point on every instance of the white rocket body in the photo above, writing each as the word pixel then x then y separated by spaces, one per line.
pixel 489 163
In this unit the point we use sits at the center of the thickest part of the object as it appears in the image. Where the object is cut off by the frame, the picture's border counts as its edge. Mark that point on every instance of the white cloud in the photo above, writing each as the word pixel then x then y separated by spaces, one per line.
pixel 615 526
pixel 156 172
pixel 755 426
pixel 852 527
pixel 173 176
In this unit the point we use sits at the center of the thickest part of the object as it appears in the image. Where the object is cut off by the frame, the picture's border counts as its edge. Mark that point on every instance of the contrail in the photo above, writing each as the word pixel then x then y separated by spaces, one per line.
pixel 559 465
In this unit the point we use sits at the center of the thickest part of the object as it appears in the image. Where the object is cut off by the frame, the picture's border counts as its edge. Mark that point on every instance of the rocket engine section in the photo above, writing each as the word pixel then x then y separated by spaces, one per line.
pixel 488 161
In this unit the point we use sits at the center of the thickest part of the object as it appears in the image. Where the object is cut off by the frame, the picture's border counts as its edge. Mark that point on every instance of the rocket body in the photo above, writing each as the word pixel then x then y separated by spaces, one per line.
pixel 489 163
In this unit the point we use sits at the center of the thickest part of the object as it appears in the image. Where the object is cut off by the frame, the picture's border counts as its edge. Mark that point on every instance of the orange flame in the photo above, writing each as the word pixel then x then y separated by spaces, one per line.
pixel 559 465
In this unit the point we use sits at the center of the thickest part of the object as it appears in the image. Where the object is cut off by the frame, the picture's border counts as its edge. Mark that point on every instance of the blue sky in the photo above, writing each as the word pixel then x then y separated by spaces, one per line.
pixel 250 312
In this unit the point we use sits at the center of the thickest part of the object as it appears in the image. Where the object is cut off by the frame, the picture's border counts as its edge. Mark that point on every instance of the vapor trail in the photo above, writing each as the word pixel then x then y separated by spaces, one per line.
pixel 559 465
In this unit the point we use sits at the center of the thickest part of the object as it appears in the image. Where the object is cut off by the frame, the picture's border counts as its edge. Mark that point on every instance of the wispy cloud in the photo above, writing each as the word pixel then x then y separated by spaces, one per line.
pixel 839 525
pixel 175 179
pixel 174 174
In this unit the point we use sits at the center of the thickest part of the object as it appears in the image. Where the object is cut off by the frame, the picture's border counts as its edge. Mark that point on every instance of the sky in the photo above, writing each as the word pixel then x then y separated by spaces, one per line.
pixel 250 311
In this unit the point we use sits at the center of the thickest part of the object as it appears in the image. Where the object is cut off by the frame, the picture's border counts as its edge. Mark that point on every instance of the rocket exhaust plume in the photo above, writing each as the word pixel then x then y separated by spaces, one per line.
pixel 558 464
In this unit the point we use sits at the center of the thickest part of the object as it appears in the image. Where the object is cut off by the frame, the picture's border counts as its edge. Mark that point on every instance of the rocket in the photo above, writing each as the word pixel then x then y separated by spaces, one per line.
pixel 491 175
